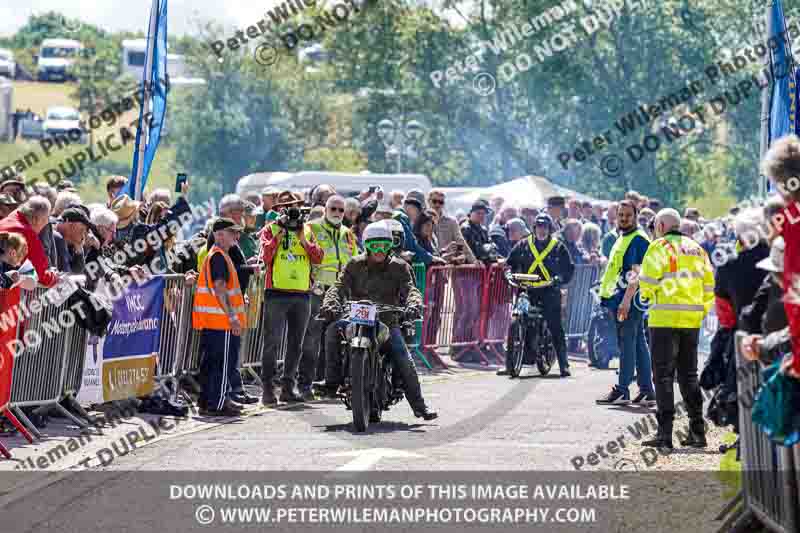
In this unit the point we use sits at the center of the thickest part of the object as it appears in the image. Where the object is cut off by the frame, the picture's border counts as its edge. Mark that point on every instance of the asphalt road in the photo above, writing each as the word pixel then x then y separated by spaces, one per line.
pixel 487 424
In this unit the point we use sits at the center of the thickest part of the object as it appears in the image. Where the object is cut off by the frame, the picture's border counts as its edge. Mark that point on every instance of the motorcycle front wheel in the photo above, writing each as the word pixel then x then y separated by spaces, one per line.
pixel 361 383
pixel 516 348
pixel 547 351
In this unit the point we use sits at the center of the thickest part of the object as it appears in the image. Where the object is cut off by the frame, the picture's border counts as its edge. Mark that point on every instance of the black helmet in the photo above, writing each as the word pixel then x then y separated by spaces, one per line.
pixel 543 219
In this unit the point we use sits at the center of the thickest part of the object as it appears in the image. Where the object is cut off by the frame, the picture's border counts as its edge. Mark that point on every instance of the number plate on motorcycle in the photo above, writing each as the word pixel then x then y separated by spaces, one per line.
pixel 362 314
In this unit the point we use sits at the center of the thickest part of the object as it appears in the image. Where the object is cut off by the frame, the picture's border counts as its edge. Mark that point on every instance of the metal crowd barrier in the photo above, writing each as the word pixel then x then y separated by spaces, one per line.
pixel 49 368
pixel 579 301
pixel 176 324
pixel 452 304
pixel 420 275
pixel 251 353
pixel 770 473
pixel 497 299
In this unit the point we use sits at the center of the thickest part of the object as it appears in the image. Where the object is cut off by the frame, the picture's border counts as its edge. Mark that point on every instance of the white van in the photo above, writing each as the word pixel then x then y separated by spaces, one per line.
pixel 134 52
pixel 259 181
pixel 56 56
pixel 352 184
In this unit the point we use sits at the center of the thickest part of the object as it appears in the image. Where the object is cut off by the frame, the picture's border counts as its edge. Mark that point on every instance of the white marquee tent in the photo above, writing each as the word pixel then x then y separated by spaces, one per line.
pixel 527 190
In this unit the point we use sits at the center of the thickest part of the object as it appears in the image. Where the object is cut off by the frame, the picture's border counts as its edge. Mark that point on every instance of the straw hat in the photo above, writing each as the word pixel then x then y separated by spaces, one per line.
pixel 287 198
pixel 126 209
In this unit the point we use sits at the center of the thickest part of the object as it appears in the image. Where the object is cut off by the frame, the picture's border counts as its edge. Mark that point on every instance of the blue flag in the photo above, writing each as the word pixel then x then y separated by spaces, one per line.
pixel 783 100
pixel 149 127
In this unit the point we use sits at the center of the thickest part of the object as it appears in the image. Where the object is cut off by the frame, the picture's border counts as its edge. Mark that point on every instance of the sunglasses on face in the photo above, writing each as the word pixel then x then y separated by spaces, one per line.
pixel 436 201
pixel 379 247
pixel 337 209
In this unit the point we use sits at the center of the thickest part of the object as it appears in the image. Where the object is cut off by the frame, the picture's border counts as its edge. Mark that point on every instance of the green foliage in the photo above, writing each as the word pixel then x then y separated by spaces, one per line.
pixel 250 117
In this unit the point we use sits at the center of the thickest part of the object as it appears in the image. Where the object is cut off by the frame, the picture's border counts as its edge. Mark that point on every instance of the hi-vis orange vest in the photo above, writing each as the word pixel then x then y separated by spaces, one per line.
pixel 207 313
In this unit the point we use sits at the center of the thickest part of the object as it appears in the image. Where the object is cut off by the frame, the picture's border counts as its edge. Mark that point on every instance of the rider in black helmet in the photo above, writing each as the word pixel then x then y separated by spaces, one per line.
pixel 544 255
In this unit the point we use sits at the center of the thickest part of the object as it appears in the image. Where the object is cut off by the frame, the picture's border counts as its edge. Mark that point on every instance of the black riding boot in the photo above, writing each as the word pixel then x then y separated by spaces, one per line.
pixel 664 436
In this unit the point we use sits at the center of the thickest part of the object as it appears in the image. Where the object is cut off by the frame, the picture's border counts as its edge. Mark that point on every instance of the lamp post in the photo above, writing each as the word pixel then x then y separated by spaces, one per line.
pixel 400 140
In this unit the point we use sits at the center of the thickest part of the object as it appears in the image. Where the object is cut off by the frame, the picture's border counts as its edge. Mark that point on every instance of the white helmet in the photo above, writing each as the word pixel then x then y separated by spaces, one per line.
pixel 377 231
pixel 397 231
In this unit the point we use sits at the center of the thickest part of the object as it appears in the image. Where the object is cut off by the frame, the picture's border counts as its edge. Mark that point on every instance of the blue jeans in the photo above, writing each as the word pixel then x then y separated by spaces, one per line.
pixel 634 353
pixel 395 346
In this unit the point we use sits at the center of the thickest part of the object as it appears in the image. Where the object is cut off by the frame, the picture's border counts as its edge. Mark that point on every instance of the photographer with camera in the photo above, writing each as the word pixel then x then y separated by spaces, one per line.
pixel 288 250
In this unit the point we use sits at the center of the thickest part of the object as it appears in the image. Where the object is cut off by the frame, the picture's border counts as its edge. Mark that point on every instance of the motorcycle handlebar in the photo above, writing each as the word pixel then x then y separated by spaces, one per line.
pixel 512 280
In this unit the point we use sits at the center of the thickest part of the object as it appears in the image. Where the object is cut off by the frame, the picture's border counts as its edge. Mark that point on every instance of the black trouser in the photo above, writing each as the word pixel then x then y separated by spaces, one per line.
pixel 395 346
pixel 221 354
pixel 312 344
pixel 675 349
pixel 290 311
pixel 550 301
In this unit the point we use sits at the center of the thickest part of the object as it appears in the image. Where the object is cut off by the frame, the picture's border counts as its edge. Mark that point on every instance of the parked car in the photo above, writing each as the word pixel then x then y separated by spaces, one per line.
pixel 62 121
pixel 56 57
pixel 8 67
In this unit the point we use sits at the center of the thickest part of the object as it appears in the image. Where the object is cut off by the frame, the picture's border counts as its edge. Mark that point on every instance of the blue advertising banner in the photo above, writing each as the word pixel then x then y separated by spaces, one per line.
pixel 130 348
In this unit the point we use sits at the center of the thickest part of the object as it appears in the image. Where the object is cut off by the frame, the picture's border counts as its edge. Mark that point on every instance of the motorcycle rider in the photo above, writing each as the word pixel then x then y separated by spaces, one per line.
pixel 378 276
pixel 543 255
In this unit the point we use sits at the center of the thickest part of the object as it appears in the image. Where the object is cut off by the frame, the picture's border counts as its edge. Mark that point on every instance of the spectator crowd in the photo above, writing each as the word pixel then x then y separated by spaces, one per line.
pixel 280 233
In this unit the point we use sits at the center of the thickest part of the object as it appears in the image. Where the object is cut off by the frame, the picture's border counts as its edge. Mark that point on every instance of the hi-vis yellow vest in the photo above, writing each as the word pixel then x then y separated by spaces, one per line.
pixel 538 261
pixel 610 278
pixel 339 245
pixel 207 313
pixel 677 281
pixel 291 267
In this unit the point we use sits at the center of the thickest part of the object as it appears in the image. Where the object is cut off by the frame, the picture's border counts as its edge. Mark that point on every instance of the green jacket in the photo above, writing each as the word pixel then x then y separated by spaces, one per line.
pixel 248 243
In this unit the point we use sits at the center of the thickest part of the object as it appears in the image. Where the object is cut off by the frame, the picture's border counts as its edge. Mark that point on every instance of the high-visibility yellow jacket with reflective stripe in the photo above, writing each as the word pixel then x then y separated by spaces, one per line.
pixel 339 245
pixel 207 312
pixel 610 279
pixel 677 281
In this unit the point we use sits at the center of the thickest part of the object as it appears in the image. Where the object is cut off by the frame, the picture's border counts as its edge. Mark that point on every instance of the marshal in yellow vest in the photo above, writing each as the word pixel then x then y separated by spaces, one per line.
pixel 339 245
pixel 291 267
pixel 538 261
pixel 608 282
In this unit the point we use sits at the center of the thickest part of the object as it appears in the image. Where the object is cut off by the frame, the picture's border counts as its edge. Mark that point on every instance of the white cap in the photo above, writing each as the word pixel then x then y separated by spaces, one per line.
pixel 774 263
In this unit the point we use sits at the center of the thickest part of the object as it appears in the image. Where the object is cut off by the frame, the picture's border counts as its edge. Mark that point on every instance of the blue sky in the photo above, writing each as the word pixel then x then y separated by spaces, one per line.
pixel 116 15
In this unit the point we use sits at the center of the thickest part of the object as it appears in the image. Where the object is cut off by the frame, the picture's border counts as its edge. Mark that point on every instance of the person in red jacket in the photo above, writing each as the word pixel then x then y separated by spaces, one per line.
pixel 781 164
pixel 28 220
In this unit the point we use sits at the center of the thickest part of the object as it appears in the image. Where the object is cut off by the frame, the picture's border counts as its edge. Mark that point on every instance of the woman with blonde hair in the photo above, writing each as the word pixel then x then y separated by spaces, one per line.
pixel 13 250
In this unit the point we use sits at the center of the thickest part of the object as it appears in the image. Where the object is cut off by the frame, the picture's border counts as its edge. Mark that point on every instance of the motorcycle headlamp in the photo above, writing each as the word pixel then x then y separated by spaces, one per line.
pixel 383 332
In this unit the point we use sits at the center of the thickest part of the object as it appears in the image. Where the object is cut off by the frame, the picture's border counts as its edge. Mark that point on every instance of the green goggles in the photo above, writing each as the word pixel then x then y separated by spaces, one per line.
pixel 378 247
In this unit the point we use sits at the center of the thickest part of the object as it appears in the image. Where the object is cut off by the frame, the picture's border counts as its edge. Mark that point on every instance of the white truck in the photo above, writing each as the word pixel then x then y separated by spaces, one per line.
pixel 8 67
pixel 133 59
pixel 55 59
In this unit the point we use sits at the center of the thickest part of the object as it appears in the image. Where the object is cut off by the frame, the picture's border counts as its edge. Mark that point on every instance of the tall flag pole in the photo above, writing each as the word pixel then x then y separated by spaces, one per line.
pixel 779 100
pixel 154 101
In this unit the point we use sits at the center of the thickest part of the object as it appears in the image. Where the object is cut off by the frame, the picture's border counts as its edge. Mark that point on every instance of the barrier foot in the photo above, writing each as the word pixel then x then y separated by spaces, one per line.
pixel 4 451
pixel 419 354
pixel 17 424
pixel 80 410
pixel 80 423
pixel 742 520
pixel 27 423
pixel 730 505
pixel 435 356
pixel 255 376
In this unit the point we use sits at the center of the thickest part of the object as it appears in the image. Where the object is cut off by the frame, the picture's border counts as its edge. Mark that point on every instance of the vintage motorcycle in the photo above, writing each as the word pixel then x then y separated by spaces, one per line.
pixel 371 384
pixel 529 338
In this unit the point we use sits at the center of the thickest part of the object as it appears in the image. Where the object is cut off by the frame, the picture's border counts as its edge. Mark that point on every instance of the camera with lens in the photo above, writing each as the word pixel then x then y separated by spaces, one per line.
pixel 295 218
